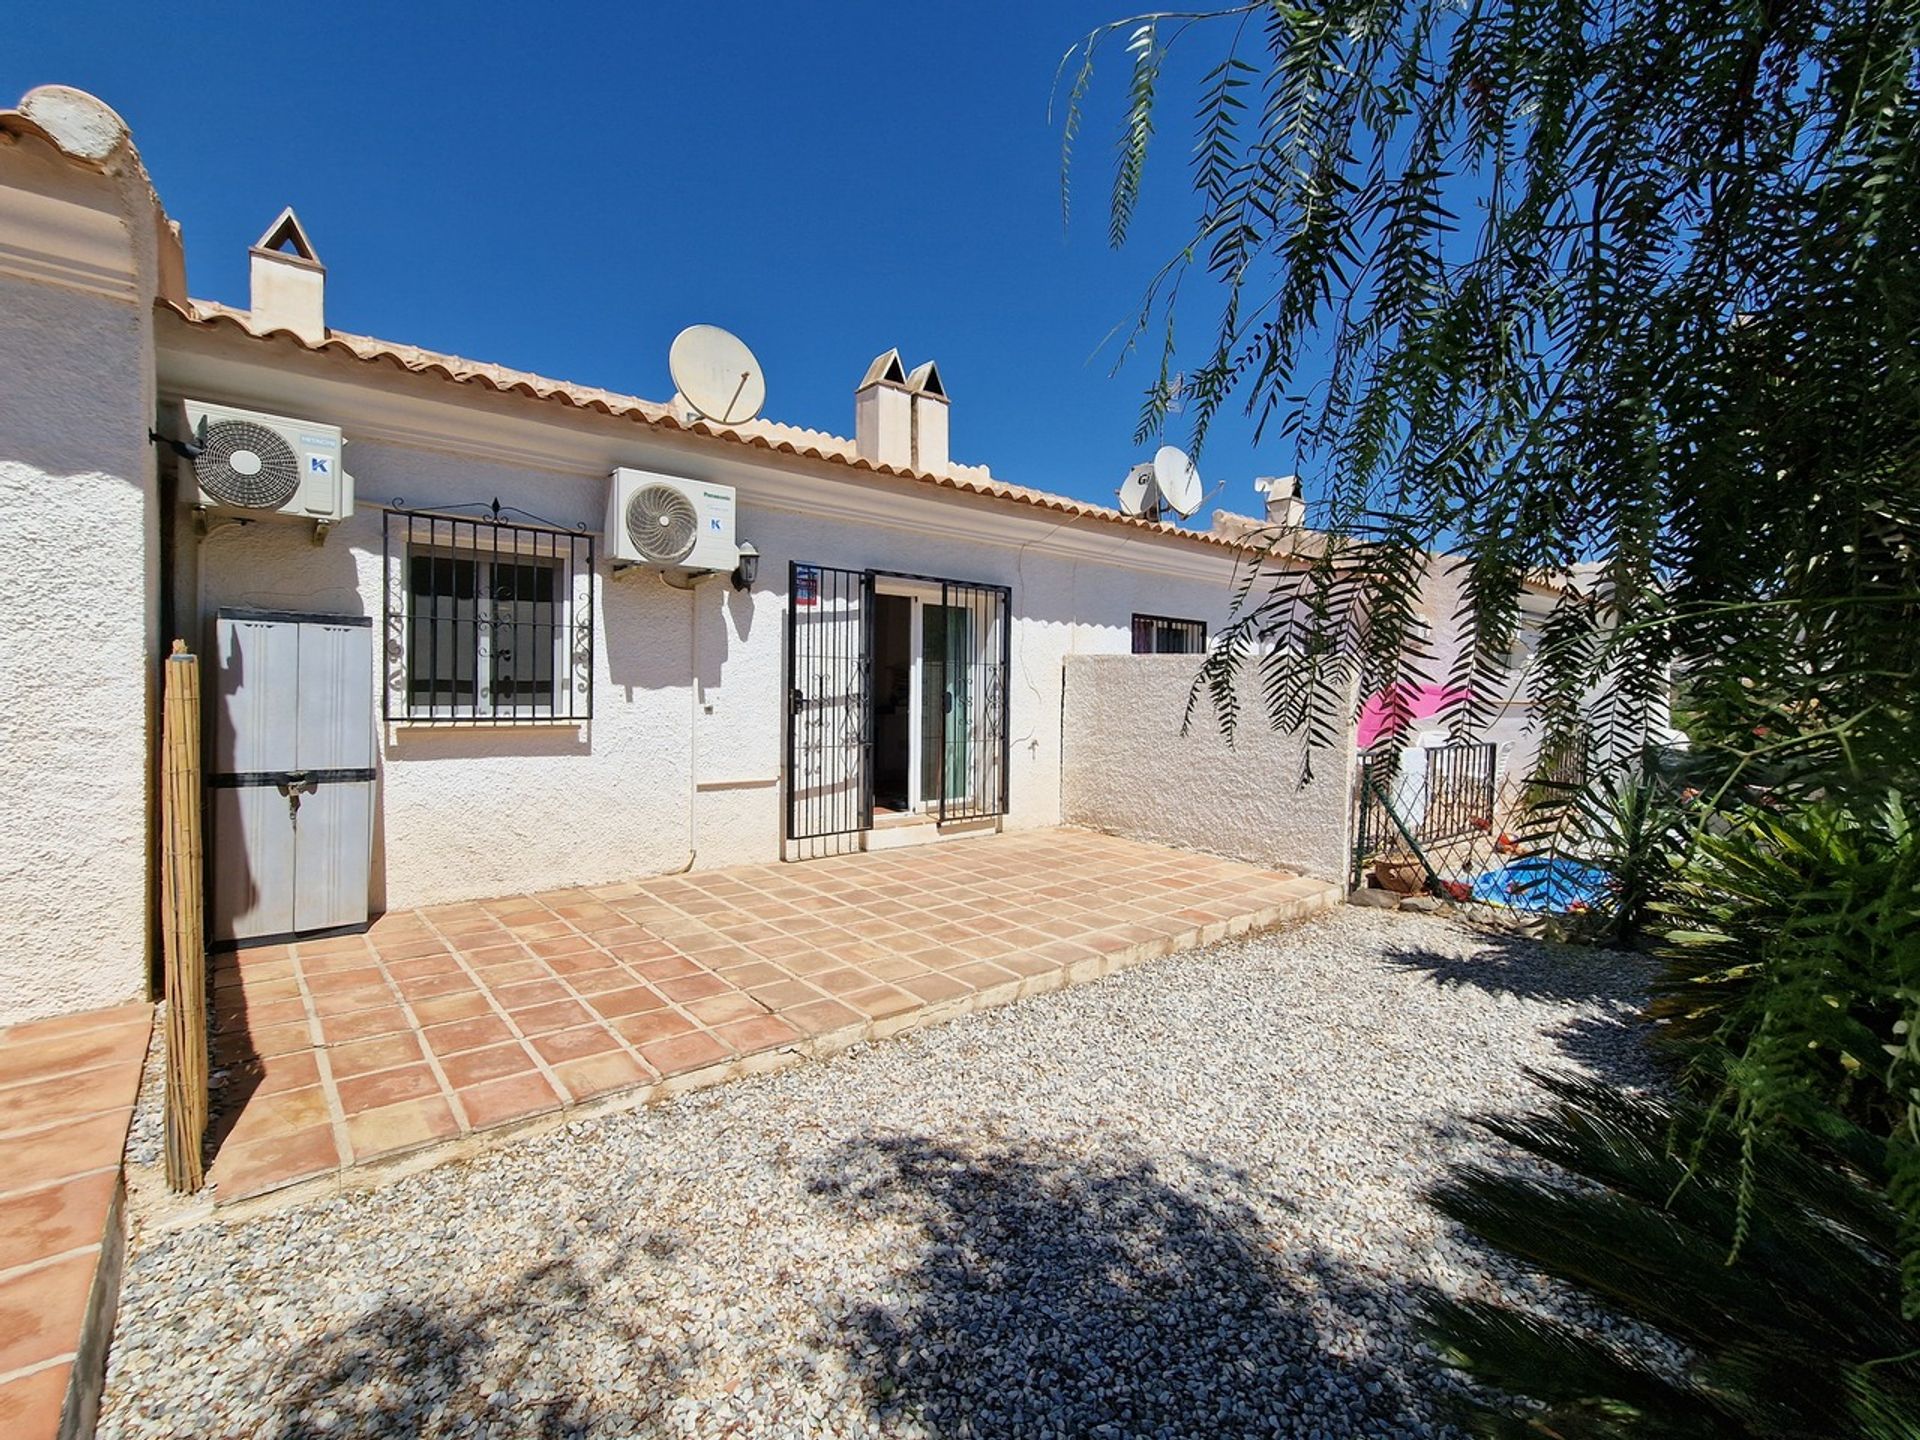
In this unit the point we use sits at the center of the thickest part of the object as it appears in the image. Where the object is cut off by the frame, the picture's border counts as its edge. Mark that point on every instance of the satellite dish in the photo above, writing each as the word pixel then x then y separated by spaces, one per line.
pixel 1177 480
pixel 716 374
pixel 1138 496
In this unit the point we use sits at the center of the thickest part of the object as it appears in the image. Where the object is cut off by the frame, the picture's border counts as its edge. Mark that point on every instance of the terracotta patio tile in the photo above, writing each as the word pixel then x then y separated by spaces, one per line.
pixel 693 987
pixel 821 1016
pixel 841 980
pixel 807 963
pixel 879 1001
pixel 361 977
pixel 469 925
pixel 34 1058
pixel 756 1033
pixel 386 1087
pixel 598 982
pixel 490 956
pixel 602 1074
pixel 41 1311
pixel 527 994
pixel 346 1002
pixel 779 949
pixel 466 1004
pixel 472 1067
pixel 495 1102
pixel 634 1000
pixel 395 1128
pixel 782 993
pixel 938 957
pixel 469 1034
pixel 539 1019
pixel 754 972
pixel 276 1160
pixel 714 1011
pixel 666 967
pixel 513 972
pixel 457 982
pixel 364 1024
pixel 644 1030
pixel 409 945
pixel 275 1073
pixel 576 952
pixel 680 1053
pixel 935 988
pixel 36 1224
pixel 362 1057
pixel 575 1044
pixel 280 1113
pixel 31 1405
pixel 893 967
pixel 60 1098
pixel 423 967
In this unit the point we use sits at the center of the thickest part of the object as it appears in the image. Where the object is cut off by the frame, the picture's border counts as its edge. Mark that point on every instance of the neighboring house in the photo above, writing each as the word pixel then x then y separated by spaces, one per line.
pixel 495 703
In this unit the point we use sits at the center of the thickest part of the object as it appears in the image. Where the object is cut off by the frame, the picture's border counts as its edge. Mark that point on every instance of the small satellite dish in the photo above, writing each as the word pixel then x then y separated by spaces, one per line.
pixel 716 374
pixel 1177 480
pixel 1138 495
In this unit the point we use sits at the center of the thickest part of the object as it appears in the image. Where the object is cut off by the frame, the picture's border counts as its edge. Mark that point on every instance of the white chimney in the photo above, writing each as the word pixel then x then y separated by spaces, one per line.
pixel 1285 508
pixel 883 414
pixel 929 419
pixel 289 282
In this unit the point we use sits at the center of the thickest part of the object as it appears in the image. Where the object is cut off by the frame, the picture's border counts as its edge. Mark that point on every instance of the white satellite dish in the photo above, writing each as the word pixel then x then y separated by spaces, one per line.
pixel 1138 496
pixel 1177 480
pixel 716 374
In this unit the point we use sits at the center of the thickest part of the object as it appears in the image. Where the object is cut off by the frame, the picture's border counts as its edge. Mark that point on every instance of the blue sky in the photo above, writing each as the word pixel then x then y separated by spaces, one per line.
pixel 562 188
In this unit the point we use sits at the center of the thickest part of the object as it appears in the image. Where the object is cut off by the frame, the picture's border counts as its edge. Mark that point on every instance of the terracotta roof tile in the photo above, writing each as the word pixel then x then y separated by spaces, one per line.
pixel 760 434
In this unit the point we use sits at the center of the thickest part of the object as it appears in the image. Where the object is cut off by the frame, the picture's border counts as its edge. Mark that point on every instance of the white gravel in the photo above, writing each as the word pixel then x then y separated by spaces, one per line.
pixel 1183 1201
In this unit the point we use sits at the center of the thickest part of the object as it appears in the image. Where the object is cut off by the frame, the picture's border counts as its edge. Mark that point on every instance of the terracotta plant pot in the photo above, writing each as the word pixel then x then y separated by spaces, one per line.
pixel 1401 874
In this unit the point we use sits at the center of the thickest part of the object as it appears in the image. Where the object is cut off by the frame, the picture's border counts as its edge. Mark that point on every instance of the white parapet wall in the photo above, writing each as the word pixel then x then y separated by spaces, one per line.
pixel 1127 769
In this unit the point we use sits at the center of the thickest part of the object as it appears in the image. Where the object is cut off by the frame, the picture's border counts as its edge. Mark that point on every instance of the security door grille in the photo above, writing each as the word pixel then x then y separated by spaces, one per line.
pixel 488 621
pixel 830 704
pixel 971 656
pixel 962 651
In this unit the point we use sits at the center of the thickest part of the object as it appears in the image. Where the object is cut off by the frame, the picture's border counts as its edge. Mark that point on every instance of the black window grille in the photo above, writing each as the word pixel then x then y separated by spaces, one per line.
pixel 488 621
pixel 1159 635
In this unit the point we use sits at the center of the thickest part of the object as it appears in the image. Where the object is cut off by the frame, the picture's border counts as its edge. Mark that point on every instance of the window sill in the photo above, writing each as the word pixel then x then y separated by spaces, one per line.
pixel 528 722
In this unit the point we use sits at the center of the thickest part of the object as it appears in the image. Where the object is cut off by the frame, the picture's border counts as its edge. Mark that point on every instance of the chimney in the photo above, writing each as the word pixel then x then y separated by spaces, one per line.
pixel 289 282
pixel 929 419
pixel 883 414
pixel 1285 508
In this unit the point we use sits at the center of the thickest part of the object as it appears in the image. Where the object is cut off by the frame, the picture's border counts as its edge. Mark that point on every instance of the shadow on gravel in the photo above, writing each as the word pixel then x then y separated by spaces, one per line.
pixel 1532 970
pixel 413 1368
pixel 1096 1299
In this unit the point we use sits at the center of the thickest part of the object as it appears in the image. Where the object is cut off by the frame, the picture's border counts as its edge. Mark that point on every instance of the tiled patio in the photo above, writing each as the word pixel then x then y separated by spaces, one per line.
pixel 67 1088
pixel 462 1018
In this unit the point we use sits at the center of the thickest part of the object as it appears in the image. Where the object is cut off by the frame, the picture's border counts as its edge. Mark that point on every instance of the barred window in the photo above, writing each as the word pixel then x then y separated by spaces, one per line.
pixel 487 621
pixel 1159 635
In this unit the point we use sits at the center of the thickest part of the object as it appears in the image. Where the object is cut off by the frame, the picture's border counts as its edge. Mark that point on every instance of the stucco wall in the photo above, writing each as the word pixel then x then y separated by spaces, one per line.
pixel 78 586
pixel 1129 771
pixel 670 772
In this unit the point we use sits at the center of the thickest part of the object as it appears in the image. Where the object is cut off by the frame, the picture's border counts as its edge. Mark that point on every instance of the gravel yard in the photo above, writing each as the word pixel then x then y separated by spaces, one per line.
pixel 1182 1201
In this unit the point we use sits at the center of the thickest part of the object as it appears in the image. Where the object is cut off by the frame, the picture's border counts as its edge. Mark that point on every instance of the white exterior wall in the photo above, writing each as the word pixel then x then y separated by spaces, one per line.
pixel 669 772
pixel 1265 798
pixel 79 582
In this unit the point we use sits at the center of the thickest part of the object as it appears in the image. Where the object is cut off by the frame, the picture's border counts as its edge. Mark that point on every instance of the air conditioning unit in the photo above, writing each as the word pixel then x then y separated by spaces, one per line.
pixel 268 464
pixel 670 523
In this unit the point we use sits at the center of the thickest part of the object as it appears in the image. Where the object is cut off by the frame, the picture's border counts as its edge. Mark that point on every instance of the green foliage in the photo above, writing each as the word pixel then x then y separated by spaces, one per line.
pixel 1803 1337
pixel 1539 283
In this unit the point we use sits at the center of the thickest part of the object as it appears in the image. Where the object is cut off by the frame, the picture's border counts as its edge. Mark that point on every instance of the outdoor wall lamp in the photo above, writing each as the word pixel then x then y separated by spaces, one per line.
pixel 748 569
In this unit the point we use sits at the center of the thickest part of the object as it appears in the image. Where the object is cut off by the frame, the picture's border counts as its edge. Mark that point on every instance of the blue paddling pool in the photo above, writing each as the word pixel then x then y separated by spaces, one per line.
pixel 1537 882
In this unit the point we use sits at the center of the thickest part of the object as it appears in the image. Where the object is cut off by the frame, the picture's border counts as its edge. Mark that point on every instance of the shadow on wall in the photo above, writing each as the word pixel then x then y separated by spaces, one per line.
pixel 647 629
pixel 1054 1297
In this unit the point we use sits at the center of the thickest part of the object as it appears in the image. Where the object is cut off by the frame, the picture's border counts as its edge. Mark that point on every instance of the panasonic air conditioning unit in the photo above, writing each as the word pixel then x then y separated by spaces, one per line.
pixel 670 523
pixel 248 463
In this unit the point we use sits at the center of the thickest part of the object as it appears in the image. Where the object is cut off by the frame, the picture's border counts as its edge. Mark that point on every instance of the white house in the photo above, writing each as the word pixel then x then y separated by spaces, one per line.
pixel 531 714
